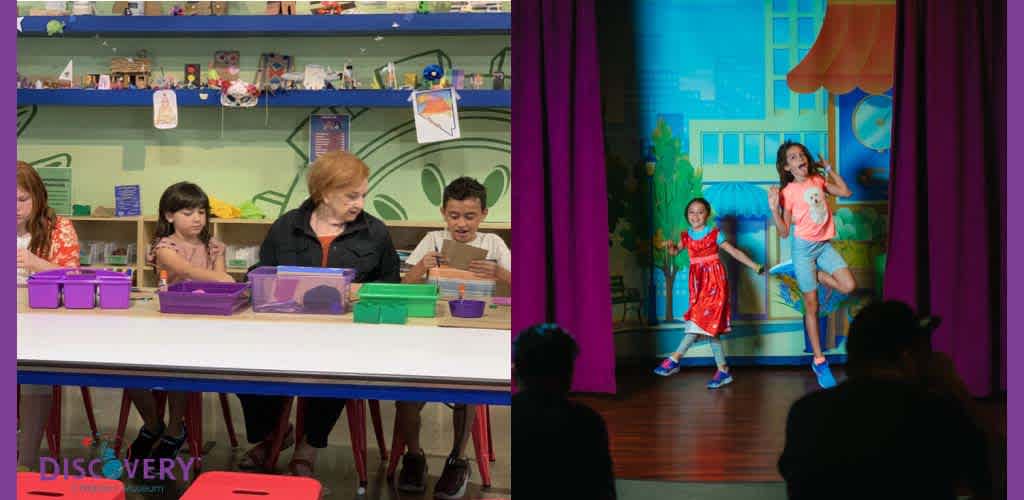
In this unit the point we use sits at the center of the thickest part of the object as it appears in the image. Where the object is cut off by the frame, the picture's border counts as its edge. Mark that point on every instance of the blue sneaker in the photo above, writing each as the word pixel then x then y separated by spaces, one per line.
pixel 667 367
pixel 721 378
pixel 824 374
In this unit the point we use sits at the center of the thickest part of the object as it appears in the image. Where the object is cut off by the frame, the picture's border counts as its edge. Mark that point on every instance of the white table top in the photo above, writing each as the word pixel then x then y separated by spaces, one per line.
pixel 274 349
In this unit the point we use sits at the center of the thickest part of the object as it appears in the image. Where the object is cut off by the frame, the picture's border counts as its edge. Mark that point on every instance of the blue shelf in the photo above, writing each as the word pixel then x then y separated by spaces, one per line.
pixel 293 98
pixel 306 25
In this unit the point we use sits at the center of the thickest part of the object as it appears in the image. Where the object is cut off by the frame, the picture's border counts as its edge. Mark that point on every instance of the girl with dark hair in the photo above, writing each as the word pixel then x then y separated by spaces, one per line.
pixel 709 289
pixel 183 247
pixel 801 198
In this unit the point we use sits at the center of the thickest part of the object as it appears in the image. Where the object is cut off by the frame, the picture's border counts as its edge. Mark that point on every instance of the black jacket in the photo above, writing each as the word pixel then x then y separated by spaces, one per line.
pixel 365 246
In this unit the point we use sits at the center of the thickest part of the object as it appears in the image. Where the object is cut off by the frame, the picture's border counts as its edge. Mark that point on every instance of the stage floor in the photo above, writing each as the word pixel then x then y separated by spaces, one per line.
pixel 675 429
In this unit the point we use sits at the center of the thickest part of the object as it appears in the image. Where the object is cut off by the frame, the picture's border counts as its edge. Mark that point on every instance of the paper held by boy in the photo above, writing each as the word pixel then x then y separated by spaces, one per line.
pixel 458 257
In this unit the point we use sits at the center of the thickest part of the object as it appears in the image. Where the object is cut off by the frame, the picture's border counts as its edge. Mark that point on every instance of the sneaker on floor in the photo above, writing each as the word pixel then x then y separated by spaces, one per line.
pixel 169 446
pixel 721 378
pixel 824 374
pixel 667 367
pixel 413 478
pixel 143 444
pixel 454 479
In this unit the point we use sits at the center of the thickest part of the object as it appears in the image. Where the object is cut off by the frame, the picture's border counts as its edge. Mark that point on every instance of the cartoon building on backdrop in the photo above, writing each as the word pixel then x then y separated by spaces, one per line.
pixel 722 86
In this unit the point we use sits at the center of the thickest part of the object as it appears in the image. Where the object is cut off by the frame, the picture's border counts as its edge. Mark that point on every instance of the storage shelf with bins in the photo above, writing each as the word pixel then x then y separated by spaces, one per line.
pixel 237 232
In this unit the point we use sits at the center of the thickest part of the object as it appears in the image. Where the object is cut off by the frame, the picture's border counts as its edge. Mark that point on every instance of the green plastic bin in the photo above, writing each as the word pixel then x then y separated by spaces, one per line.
pixel 419 300
pixel 393 314
pixel 364 312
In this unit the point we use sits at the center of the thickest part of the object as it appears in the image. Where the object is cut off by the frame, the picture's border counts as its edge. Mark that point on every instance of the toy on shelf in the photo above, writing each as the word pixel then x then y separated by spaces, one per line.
pixel 272 69
pixel 470 6
pixel 177 11
pixel 238 94
pixel 432 75
pixel 153 8
pixel 348 78
pixel 226 64
pixel 126 9
pixel 206 8
pixel 192 76
pixel 83 8
pixel 50 9
pixel 499 80
pixel 314 77
pixel 330 8
pixel 280 8
pixel 130 71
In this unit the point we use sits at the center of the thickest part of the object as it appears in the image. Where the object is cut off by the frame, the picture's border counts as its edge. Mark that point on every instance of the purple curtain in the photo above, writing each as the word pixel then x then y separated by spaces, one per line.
pixel 559 202
pixel 947 193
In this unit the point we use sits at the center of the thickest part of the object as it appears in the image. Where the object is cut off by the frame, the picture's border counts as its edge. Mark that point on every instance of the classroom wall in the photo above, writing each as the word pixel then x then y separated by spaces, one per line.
pixel 236 153
pixel 696 104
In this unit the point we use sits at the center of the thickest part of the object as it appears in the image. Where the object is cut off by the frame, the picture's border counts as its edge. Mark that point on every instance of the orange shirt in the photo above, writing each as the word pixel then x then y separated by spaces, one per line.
pixel 811 215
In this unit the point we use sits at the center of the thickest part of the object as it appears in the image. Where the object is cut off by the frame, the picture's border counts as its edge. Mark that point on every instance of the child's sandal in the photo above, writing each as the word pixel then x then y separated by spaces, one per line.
pixel 256 461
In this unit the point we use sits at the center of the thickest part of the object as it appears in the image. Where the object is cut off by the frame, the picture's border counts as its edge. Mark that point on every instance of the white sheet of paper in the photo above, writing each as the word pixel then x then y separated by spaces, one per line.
pixel 165 109
pixel 436 114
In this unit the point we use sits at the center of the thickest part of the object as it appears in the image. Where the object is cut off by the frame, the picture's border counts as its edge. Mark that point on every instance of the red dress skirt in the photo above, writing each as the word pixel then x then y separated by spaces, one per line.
pixel 709 288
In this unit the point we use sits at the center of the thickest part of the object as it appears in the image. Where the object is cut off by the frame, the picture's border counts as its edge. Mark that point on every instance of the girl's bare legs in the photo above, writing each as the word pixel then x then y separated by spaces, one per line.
pixel 36 403
pixel 462 423
pixel 811 323
pixel 841 281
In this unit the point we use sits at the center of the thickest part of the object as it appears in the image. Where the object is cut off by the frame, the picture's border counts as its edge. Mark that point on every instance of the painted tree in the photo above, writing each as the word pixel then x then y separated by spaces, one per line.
pixel 675 183
pixel 628 204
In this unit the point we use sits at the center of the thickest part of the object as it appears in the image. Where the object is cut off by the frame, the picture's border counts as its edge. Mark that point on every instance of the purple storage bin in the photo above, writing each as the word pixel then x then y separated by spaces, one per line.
pixel 218 299
pixel 296 292
pixel 78 288
pixel 43 292
pixel 80 291
pixel 467 308
pixel 115 293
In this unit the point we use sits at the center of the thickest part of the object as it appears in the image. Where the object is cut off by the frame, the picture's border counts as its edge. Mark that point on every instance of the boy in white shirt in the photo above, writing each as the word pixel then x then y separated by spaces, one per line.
pixel 464 207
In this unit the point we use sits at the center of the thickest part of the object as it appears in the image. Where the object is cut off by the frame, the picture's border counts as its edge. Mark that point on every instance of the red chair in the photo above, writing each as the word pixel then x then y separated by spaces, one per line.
pixel 53 431
pixel 356 412
pixel 242 486
pixel 482 444
pixel 31 486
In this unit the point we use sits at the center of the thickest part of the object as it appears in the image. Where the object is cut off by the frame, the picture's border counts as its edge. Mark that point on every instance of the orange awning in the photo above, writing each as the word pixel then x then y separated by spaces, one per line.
pixel 856 47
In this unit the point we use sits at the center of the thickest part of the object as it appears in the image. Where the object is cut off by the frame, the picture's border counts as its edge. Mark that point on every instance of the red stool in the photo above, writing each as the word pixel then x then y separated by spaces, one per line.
pixel 242 486
pixel 482 444
pixel 31 486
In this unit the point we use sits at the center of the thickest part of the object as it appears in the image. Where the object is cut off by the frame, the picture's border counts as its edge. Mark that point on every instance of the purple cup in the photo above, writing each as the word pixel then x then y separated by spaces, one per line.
pixel 467 308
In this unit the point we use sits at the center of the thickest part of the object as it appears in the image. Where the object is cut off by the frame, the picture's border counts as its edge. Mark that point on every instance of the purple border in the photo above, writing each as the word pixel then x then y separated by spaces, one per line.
pixel 9 344
pixel 1014 101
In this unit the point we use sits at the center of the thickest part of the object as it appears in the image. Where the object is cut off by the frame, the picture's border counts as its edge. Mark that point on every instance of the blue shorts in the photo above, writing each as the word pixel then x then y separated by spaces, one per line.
pixel 808 257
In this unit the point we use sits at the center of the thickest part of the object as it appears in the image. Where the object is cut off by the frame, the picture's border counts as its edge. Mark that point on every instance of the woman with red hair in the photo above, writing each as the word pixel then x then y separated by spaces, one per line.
pixel 45 241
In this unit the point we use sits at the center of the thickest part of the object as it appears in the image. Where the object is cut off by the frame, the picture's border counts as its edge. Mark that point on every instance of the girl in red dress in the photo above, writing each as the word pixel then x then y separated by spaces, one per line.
pixel 709 289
